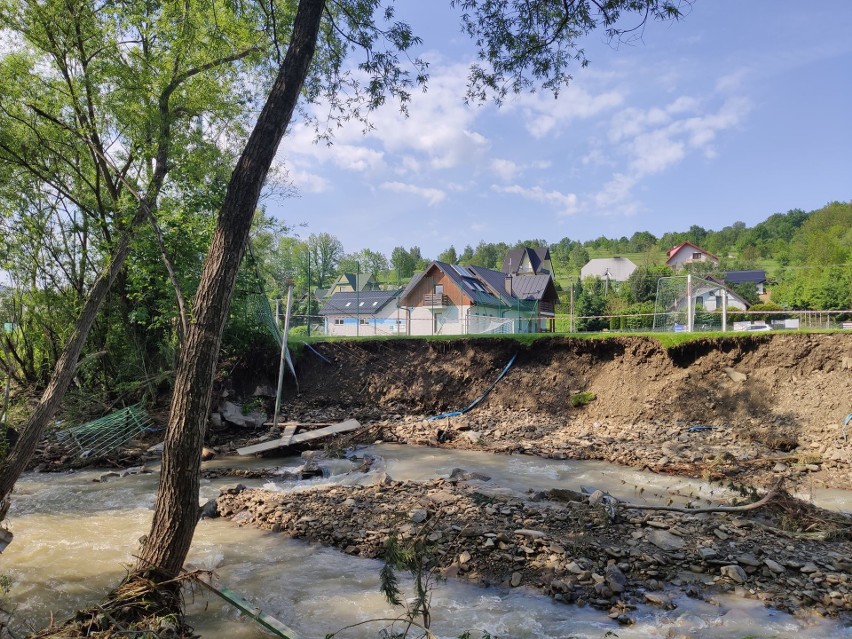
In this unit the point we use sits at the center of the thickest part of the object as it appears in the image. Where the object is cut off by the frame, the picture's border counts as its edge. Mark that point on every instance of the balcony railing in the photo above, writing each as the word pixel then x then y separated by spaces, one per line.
pixel 435 300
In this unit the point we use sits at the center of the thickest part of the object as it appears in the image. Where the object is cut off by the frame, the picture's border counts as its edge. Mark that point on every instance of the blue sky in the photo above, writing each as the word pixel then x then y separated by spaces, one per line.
pixel 741 110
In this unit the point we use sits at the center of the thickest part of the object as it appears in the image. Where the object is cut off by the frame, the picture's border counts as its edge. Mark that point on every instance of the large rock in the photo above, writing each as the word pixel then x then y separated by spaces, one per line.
pixel 615 579
pixel 734 572
pixel 233 414
pixel 664 540
pixel 735 376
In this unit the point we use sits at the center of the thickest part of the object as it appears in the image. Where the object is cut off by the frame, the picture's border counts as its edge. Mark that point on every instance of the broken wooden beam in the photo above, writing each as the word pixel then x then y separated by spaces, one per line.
pixel 289 439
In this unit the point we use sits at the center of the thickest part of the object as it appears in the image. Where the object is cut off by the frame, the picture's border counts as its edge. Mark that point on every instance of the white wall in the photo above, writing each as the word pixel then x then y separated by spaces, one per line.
pixel 389 321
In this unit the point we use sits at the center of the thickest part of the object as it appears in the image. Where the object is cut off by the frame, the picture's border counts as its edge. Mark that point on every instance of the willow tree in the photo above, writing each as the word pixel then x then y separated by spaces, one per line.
pixel 522 45
pixel 101 101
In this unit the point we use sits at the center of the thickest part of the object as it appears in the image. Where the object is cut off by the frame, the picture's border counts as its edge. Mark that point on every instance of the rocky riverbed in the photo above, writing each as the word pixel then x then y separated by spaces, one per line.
pixel 753 413
pixel 573 547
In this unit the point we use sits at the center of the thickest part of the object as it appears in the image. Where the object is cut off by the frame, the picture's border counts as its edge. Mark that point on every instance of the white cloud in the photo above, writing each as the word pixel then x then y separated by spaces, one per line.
pixel 432 196
pixel 307 182
pixel 543 114
pixel 566 202
pixel 656 139
pixel 732 81
pixel 356 158
pixel 596 156
pixel 506 169
pixel 617 194
pixel 654 152
pixel 683 104
pixel 409 164
pixel 440 130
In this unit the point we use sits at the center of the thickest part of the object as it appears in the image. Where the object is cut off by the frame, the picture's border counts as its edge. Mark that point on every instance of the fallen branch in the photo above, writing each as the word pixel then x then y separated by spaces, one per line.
pixel 710 509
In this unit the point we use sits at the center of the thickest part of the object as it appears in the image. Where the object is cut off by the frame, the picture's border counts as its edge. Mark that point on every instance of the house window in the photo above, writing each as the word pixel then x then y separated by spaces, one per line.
pixel 439 289
pixel 699 302
pixel 718 301
pixel 364 322
pixel 696 256
pixel 338 322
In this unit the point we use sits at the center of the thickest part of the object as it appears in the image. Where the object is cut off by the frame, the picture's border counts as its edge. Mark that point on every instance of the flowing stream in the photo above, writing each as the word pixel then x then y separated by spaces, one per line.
pixel 74 538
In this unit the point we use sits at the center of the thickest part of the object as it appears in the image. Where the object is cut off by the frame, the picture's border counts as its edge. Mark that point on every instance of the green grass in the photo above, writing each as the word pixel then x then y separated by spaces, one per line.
pixel 666 340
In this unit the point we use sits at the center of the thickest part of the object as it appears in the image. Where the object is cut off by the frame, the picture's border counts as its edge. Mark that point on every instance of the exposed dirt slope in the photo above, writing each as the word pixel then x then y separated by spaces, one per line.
pixel 781 394
pixel 802 381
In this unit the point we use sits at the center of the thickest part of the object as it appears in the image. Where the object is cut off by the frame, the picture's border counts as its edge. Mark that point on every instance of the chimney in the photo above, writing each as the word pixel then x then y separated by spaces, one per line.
pixel 508 284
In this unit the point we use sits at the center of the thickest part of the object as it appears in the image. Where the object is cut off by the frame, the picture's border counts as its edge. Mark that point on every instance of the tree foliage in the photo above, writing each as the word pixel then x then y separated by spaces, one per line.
pixel 527 45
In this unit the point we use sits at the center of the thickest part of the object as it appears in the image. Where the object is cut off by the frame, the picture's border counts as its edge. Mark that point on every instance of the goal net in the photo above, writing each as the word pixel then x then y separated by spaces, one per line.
pixel 690 303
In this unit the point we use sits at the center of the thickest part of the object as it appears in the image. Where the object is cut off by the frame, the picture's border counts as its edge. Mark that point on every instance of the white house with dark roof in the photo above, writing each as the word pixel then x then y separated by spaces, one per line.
pixel 709 295
pixel 614 269
pixel 364 313
pixel 449 299
pixel 758 278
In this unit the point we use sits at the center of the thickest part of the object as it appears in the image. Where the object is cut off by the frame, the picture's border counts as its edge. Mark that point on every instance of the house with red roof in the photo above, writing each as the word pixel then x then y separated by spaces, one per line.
pixel 687 253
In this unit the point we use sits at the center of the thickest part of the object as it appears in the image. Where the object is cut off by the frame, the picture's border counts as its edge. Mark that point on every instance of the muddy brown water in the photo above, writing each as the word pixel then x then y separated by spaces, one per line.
pixel 74 537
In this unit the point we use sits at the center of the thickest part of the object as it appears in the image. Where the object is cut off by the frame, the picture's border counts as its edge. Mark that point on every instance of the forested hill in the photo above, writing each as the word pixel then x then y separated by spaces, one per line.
pixel 806 255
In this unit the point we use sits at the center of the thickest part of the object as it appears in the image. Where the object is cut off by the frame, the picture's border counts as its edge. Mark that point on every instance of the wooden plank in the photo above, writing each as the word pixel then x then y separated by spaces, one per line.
pixel 289 431
pixel 253 612
pixel 334 429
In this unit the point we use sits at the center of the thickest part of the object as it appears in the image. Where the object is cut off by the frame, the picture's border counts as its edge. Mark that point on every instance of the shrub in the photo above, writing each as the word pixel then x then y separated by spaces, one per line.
pixel 581 399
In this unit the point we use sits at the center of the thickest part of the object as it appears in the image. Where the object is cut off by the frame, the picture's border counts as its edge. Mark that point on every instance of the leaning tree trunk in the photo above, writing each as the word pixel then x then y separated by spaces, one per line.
pixel 13 465
pixel 176 510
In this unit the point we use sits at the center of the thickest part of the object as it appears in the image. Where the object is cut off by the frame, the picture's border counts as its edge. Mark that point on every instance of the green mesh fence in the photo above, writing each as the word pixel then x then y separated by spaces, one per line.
pixel 102 436
pixel 258 309
pixel 250 306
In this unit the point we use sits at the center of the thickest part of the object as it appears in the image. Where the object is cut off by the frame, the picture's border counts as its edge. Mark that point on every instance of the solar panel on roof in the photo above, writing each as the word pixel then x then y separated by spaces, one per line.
pixel 461 270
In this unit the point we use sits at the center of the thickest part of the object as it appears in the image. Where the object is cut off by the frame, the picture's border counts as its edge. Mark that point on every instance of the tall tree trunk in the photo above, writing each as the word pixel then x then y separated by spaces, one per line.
pixel 176 511
pixel 31 433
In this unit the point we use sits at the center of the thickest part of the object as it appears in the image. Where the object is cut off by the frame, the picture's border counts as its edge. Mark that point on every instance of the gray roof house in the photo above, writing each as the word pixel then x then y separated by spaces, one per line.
pixel 528 261
pixel 617 269
pixel 362 313
pixel 454 299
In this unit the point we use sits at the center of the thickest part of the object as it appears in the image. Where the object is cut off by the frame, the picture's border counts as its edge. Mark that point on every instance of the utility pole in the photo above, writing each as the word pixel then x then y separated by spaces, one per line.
pixel 689 302
pixel 571 311
pixel 309 295
pixel 357 300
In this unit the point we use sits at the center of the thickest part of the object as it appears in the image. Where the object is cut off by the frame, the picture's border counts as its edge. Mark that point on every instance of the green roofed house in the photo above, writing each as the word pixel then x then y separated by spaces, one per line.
pixel 449 299
pixel 363 313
